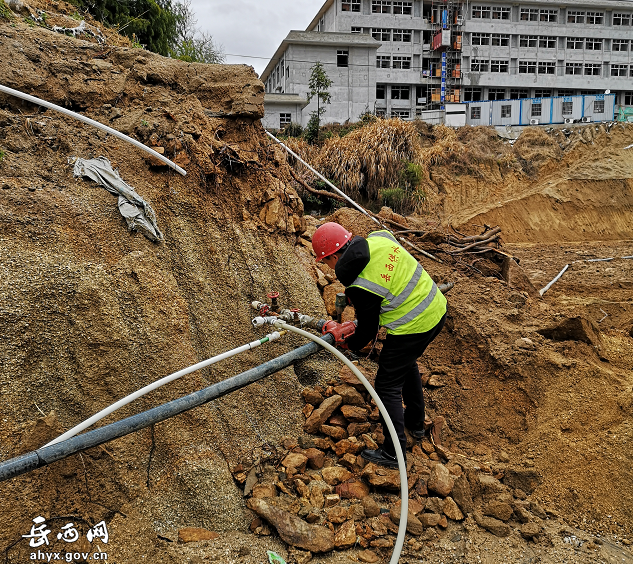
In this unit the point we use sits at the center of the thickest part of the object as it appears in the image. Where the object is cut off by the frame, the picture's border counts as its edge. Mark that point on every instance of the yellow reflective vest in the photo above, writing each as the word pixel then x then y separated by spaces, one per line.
pixel 411 302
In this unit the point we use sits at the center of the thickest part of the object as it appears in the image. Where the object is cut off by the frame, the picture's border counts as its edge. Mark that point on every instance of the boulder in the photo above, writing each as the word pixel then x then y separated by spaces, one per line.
pixel 350 395
pixel 358 429
pixel 496 527
pixel 321 414
pixel 414 526
pixel 352 490
pixel 379 476
pixel 316 458
pixel 333 475
pixel 451 510
pixel 346 535
pixel 310 395
pixel 330 500
pixel 293 530
pixel 440 480
pixel 338 514
pixel 430 519
pixel 372 509
pixel 368 556
pixel 351 446
pixel 348 377
pixel 354 413
pixel 498 510
pixel 337 433
pixel 530 530
pixel 489 485
pixel 264 490
pixel 296 461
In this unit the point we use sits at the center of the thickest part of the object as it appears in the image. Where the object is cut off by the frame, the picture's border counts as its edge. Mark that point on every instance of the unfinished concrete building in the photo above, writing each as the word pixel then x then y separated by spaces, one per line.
pixel 404 58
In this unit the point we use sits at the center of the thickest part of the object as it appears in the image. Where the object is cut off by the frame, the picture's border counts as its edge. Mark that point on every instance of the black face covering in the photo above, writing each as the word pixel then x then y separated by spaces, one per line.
pixel 352 261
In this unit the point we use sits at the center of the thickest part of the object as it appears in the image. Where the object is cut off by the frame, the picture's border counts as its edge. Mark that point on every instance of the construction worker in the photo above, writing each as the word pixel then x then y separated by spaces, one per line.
pixel 387 288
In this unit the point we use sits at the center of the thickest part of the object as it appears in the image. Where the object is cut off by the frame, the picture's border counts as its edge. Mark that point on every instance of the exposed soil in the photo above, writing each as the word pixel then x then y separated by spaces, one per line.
pixel 90 312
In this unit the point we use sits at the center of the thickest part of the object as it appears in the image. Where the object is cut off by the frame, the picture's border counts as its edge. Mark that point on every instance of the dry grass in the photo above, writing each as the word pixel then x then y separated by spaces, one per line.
pixel 536 146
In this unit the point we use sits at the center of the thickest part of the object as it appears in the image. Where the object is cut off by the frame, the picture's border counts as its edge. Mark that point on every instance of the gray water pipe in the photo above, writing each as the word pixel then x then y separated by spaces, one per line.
pixel 49 454
pixel 92 122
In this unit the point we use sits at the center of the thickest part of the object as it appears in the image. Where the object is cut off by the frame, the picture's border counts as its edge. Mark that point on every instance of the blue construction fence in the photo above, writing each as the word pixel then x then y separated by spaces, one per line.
pixel 542 111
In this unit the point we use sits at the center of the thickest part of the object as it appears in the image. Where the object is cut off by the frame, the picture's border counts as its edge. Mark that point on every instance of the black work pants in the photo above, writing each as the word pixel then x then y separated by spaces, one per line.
pixel 398 380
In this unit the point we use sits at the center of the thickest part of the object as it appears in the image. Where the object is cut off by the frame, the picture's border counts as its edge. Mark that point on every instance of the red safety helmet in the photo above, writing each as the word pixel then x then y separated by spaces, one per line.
pixel 328 239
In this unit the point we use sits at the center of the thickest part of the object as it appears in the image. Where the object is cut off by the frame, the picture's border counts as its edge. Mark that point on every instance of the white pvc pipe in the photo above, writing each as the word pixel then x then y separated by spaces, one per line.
pixel 92 122
pixel 359 208
pixel 402 468
pixel 150 387
pixel 542 291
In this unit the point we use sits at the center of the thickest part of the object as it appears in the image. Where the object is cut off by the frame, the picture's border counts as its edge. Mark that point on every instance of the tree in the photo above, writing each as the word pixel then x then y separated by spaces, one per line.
pixel 318 84
pixel 191 44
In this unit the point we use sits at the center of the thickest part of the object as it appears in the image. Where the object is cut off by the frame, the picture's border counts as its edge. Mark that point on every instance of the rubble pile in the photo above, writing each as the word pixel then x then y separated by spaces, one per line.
pixel 319 494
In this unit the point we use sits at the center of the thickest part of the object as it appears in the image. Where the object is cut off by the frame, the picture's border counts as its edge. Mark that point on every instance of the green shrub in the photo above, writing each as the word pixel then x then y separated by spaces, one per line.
pixel 411 175
pixel 293 130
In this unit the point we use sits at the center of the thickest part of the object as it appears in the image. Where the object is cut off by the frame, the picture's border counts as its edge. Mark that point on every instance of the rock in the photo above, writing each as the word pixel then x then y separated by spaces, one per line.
pixel 516 278
pixel 307 410
pixel 368 556
pixel 348 460
pixel 354 413
pixel 440 480
pixel 318 490
pixel 443 522
pixel 338 514
pixel 427 447
pixel 346 535
pixel 337 433
pixel 346 446
pixel 381 477
pixel 522 514
pixel 498 510
pixel 322 413
pixel 574 329
pixel 348 377
pixel 530 530
pixel 496 527
pixel 335 475
pixel 310 395
pixel 350 395
pixel 352 490
pixel 152 160
pixel 302 489
pixel 338 420
pixel 293 530
pixel 451 510
pixel 429 519
pixel 321 281
pixel 489 484
pixel 322 444
pixel 251 480
pixel 329 297
pixel 526 479
pixel 382 543
pixel 299 556
pixel 192 534
pixel 434 505
pixel 503 457
pixel 264 490
pixel 316 458
pixel 369 442
pixel 313 516
pixel 414 526
pixel 372 509
pixel 357 429
pixel 538 510
pixel 296 461
pixel 525 343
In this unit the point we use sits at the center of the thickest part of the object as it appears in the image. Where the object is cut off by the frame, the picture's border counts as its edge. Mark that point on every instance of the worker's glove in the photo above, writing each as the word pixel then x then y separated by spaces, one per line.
pixel 340 332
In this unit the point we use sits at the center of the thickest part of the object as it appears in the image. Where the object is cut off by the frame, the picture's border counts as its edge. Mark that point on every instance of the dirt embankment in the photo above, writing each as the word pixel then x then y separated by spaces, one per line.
pixel 90 312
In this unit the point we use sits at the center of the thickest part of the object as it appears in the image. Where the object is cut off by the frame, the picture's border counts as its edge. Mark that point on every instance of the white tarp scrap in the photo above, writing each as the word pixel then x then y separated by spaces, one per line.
pixel 137 212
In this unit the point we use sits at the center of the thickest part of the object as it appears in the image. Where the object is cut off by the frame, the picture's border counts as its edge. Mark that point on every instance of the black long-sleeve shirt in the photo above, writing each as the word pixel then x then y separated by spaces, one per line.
pixel 366 304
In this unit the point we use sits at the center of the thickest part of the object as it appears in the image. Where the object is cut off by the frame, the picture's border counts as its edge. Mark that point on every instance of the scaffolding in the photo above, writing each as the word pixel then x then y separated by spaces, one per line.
pixel 446 21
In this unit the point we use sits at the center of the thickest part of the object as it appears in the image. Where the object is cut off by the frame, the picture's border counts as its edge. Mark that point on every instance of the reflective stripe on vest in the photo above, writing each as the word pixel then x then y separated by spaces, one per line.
pixel 390 302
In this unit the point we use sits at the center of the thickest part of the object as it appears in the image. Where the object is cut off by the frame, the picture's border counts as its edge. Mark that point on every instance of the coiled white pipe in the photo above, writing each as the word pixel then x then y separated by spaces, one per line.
pixel 402 468
pixel 150 387
pixel 92 122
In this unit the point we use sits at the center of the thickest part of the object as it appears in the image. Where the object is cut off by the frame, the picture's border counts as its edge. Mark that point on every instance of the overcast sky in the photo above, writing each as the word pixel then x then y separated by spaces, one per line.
pixel 253 27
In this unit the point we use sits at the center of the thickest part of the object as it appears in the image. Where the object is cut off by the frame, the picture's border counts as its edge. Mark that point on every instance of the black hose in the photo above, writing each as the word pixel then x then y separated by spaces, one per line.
pixel 46 455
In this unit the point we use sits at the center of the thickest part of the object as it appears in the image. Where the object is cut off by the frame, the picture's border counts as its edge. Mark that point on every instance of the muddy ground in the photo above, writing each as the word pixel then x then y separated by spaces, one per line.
pixel 90 312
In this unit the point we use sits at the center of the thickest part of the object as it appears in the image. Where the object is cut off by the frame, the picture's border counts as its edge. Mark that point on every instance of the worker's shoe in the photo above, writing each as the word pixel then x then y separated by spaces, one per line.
pixel 379 456
pixel 418 433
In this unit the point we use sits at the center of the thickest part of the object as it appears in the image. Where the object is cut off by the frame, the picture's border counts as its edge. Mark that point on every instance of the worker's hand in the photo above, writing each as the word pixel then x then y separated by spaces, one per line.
pixel 340 332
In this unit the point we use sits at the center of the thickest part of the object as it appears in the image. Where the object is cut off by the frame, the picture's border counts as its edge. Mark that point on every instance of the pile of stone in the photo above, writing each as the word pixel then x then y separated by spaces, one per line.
pixel 320 495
